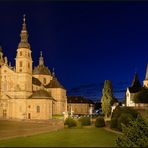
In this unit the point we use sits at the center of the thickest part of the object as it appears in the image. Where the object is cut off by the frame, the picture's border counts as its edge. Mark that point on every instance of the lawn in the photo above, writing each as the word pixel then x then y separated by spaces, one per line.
pixel 85 137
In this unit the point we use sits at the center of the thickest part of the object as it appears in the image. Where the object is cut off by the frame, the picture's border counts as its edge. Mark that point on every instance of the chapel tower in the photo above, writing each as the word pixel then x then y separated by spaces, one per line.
pixel 24 62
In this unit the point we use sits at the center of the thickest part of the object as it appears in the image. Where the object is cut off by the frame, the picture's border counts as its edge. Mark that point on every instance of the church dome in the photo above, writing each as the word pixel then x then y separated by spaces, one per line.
pixel 41 69
pixel 42 94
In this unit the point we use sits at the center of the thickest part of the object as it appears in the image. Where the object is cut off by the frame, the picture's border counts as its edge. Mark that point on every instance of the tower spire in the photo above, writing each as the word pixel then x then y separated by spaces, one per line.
pixel 146 76
pixel 24 23
pixel 136 82
pixel 41 59
pixel 24 35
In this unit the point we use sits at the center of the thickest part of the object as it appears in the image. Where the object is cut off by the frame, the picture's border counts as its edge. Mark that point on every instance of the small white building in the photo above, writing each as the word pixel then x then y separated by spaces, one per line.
pixel 137 95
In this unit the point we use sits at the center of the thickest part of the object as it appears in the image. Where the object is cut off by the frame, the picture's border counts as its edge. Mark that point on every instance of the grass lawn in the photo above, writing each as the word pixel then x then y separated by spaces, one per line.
pixel 85 137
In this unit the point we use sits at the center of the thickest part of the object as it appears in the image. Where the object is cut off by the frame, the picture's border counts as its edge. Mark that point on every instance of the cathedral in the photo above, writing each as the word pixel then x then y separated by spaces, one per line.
pixel 27 92
pixel 136 94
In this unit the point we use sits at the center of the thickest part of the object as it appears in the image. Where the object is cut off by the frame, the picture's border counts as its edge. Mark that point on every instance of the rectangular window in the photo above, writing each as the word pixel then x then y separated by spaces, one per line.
pixel 38 109
pixel 21 64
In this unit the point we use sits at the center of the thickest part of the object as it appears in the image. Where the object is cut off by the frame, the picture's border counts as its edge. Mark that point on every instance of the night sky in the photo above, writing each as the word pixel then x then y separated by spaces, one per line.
pixel 85 42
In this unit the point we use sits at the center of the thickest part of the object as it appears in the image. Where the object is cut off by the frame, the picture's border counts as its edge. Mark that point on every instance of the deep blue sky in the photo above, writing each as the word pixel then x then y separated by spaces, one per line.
pixel 86 42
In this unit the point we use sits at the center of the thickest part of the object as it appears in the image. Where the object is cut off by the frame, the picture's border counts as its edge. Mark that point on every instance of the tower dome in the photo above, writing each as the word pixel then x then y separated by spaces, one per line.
pixel 41 69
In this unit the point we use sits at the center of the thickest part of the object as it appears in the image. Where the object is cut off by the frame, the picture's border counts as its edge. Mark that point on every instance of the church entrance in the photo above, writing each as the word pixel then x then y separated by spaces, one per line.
pixel 4 113
pixel 29 116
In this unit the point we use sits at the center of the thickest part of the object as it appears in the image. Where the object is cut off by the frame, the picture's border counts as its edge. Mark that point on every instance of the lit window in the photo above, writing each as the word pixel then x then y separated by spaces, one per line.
pixel 38 109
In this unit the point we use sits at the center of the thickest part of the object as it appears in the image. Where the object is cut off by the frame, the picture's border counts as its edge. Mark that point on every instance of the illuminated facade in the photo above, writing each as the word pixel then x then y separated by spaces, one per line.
pixel 78 105
pixel 27 93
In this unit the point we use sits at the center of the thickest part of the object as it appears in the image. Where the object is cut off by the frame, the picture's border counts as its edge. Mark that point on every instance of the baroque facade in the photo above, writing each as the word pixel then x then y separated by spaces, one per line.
pixel 136 94
pixel 27 93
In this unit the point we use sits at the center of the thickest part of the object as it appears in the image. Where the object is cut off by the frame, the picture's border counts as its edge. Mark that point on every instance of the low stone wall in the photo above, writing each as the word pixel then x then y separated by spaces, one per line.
pixel 10 128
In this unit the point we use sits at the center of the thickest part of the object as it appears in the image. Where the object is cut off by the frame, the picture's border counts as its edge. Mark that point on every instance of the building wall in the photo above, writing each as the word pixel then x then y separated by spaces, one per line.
pixel 45 106
pixel 78 108
pixel 12 108
pixel 145 83
pixel 17 87
pixel 59 95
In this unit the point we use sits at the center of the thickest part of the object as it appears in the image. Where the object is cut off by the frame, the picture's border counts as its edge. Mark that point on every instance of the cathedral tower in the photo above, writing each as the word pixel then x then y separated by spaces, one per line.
pixel 24 61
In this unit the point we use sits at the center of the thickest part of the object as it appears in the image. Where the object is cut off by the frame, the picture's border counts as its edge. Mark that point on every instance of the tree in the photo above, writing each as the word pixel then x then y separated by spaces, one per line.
pixel 134 135
pixel 107 98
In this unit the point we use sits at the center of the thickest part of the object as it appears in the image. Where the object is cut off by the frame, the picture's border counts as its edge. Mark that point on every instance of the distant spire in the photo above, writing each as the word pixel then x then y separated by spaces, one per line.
pixel 24 35
pixel 41 59
pixel 136 82
pixel 53 72
pixel 146 76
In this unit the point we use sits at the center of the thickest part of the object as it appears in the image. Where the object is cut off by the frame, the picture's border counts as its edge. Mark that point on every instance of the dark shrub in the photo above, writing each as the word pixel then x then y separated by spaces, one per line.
pixel 131 111
pixel 70 122
pixel 124 119
pixel 113 123
pixel 85 121
pixel 100 122
pixel 119 116
pixel 116 113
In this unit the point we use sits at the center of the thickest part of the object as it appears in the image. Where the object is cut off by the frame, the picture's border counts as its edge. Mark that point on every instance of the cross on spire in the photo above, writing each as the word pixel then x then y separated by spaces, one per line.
pixel 24 18
pixel 53 72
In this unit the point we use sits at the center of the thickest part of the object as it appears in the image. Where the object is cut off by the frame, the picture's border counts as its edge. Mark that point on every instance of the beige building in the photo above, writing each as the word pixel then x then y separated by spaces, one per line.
pixel 137 95
pixel 77 105
pixel 27 93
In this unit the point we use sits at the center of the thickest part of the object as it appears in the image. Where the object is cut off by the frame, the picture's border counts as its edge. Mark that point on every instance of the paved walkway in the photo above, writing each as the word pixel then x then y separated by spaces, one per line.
pixel 10 129
pixel 113 131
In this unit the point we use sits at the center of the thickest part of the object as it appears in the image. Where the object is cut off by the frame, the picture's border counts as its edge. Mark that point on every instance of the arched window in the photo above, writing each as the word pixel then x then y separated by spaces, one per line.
pixel 21 63
pixel 20 53
pixel 38 109
pixel 44 80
